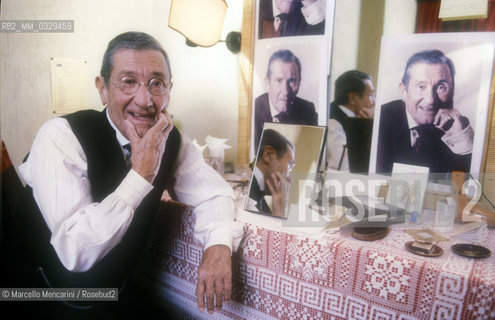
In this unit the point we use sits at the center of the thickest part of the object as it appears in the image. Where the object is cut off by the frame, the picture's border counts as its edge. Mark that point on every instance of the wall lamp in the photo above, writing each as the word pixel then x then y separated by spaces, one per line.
pixel 201 23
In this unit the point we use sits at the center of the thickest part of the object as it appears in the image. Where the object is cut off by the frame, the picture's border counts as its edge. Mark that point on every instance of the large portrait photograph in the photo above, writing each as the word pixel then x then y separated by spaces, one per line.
pixel 432 102
pixel 287 18
pixel 289 84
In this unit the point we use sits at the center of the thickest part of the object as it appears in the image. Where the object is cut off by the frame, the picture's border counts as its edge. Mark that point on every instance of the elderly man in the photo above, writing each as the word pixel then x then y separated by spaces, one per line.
pixel 281 104
pixel 424 128
pixel 271 175
pixel 95 180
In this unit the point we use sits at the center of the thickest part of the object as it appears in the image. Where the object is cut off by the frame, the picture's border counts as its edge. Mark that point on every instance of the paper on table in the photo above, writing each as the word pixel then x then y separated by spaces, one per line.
pixel 427 235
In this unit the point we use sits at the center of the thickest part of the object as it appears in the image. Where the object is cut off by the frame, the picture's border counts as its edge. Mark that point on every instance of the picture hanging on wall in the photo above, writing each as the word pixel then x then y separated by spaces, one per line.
pixel 288 18
pixel 291 64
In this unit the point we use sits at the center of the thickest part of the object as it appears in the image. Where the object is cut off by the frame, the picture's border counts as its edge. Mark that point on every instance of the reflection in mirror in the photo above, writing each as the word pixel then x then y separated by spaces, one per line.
pixel 286 154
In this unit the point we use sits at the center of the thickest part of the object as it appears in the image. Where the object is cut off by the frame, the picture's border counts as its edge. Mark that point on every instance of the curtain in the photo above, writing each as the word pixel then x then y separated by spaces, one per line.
pixel 427 19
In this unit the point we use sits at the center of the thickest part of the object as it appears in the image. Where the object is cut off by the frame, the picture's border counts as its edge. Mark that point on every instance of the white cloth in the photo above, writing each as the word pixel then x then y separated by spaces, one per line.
pixel 336 141
pixel 84 231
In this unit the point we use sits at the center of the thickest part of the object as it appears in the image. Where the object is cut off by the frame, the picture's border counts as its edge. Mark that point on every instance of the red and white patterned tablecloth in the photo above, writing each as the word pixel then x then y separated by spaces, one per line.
pixel 283 275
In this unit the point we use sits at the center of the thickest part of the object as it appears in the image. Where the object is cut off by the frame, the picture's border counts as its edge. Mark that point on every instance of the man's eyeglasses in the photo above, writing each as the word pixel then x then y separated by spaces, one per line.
pixel 156 86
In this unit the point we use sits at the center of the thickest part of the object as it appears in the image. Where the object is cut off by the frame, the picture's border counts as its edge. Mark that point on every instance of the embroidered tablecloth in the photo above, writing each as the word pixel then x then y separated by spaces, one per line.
pixel 284 275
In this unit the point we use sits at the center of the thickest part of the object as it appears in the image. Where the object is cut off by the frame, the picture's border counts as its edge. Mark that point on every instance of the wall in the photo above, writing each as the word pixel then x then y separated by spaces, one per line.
pixel 345 34
pixel 204 96
pixel 399 17
pixel 370 34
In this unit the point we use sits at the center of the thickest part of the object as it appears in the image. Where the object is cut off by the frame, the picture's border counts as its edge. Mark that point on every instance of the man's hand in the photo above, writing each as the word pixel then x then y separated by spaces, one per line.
pixel 276 185
pixel 450 120
pixel 366 113
pixel 214 278
pixel 147 151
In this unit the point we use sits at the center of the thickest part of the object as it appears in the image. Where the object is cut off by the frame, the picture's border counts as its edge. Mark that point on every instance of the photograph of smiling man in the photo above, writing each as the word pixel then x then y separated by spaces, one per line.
pixel 436 116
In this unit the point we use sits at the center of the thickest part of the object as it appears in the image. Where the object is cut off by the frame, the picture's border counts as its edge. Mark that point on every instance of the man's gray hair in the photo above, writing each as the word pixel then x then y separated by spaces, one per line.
pixel 129 40
pixel 285 56
pixel 429 57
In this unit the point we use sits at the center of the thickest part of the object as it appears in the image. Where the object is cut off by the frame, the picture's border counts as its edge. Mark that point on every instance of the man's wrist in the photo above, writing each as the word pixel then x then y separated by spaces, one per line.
pixel 220 237
pixel 133 189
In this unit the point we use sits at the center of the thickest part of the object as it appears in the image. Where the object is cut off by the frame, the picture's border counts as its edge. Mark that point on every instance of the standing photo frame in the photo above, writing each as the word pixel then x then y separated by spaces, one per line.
pixel 471 86
pixel 288 155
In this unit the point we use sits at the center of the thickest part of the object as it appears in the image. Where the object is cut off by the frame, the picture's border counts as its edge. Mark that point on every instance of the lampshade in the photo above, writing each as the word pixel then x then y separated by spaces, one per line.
pixel 200 21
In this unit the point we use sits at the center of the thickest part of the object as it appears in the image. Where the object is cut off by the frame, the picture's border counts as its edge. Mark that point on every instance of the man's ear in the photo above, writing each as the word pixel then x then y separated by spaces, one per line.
pixel 102 89
pixel 351 97
pixel 269 154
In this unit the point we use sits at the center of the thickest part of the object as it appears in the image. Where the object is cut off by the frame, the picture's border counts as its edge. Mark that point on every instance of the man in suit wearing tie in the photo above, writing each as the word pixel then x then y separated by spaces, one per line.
pixel 286 18
pixel 280 103
pixel 424 128
pixel 271 175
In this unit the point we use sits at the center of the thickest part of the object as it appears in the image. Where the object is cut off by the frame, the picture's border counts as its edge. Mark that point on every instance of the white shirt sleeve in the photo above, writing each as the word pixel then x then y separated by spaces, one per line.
pixel 315 12
pixel 461 142
pixel 195 183
pixel 83 231
pixel 335 146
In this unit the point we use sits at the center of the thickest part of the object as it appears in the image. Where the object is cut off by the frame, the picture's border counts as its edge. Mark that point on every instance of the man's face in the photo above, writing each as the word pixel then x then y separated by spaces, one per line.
pixel 430 88
pixel 285 6
pixel 367 100
pixel 140 108
pixel 283 84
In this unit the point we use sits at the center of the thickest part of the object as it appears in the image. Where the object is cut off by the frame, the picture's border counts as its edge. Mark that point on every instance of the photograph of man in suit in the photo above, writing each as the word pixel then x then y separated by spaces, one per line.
pixel 280 103
pixel 271 174
pixel 424 128
pixel 284 18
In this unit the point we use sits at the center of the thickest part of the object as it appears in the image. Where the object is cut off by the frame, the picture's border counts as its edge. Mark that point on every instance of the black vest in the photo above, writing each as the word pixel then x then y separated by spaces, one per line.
pixel 358 132
pixel 106 170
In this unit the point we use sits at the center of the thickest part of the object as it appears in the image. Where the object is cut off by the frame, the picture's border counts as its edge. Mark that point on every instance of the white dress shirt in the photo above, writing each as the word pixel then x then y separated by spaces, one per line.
pixel 274 112
pixel 84 231
pixel 459 143
pixel 313 13
pixel 336 140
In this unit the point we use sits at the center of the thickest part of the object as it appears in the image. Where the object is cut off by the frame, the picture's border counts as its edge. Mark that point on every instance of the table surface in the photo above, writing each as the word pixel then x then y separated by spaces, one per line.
pixel 284 273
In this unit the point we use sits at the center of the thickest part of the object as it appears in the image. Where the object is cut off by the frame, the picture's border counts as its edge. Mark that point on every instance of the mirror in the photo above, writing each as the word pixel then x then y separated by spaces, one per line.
pixel 287 154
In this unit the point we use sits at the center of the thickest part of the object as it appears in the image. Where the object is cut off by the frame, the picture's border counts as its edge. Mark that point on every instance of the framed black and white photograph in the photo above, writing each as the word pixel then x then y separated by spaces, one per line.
pixel 286 18
pixel 432 101
pixel 289 84
pixel 291 64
